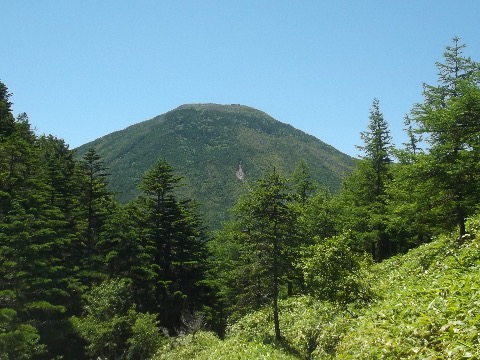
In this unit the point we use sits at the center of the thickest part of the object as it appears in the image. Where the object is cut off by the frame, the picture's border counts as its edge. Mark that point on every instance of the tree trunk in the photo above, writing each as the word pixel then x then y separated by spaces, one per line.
pixel 383 247
pixel 278 336
pixel 276 321
pixel 461 222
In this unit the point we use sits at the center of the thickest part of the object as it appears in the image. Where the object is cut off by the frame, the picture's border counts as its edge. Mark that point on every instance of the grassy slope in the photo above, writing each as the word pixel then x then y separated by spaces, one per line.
pixel 205 143
pixel 428 307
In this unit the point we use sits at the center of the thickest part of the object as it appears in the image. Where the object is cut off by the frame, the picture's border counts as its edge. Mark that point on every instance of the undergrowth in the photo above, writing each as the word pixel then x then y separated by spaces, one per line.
pixel 427 306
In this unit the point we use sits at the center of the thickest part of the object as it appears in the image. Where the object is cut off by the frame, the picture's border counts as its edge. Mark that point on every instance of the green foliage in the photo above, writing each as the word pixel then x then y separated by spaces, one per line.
pixel 37 229
pixel 363 194
pixel 429 307
pixel 7 124
pixel 333 272
pixel 207 346
pixel 123 251
pixel 377 146
pixel 174 240
pixel 359 207
pixel 262 243
pixel 18 341
pixel 267 218
pixel 303 320
pixel 96 205
pixel 112 327
pixel 224 268
pixel 448 119
pixel 312 329
pixel 318 216
pixel 303 184
pixel 205 143
pixel 106 324
pixel 146 337
pixel 455 68
pixel 413 212
pixel 188 347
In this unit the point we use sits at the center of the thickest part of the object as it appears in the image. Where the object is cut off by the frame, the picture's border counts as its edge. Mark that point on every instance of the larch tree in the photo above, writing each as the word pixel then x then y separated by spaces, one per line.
pixel 448 120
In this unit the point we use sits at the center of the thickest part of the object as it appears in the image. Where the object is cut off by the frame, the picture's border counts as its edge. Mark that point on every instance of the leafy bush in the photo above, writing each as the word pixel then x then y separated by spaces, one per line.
pixel 303 321
pixel 207 346
pixel 113 328
pixel 17 341
pixel 187 347
pixel 333 272
pixel 146 337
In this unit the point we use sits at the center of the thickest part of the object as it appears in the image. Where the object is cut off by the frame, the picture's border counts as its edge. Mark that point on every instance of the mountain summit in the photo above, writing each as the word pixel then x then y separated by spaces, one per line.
pixel 218 149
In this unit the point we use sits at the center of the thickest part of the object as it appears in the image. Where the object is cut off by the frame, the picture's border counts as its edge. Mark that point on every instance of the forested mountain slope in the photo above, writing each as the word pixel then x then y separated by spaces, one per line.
pixel 426 306
pixel 206 143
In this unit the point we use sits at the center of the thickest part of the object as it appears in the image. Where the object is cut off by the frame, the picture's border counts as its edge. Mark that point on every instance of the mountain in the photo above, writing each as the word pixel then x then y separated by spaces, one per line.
pixel 206 143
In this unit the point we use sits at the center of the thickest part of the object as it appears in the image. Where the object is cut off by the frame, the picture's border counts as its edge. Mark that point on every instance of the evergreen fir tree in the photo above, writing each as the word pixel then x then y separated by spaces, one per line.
pixel 172 234
pixel 363 194
pixel 265 241
pixel 7 120
pixel 302 181
pixel 35 241
pixel 97 203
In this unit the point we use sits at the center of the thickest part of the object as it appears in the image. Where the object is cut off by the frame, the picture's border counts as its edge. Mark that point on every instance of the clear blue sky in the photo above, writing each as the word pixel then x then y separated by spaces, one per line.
pixel 82 69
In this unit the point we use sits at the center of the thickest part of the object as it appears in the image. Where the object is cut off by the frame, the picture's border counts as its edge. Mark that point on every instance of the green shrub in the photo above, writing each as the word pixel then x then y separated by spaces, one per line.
pixel 303 321
pixel 188 347
pixel 146 337
pixel 113 328
pixel 207 346
pixel 333 272
pixel 17 341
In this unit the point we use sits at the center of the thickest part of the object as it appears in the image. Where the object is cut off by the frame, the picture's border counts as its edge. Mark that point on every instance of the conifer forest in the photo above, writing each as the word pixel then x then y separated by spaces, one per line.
pixel 386 265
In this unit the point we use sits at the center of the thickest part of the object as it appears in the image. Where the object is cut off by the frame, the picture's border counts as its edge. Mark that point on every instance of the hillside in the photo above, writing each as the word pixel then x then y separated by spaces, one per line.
pixel 427 306
pixel 205 143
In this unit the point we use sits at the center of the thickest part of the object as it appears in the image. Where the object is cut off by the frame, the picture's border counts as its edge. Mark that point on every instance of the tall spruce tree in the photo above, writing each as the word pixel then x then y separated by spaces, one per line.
pixel 173 235
pixel 96 206
pixel 35 240
pixel 7 120
pixel 19 333
pixel 363 195
pixel 377 147
pixel 302 181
